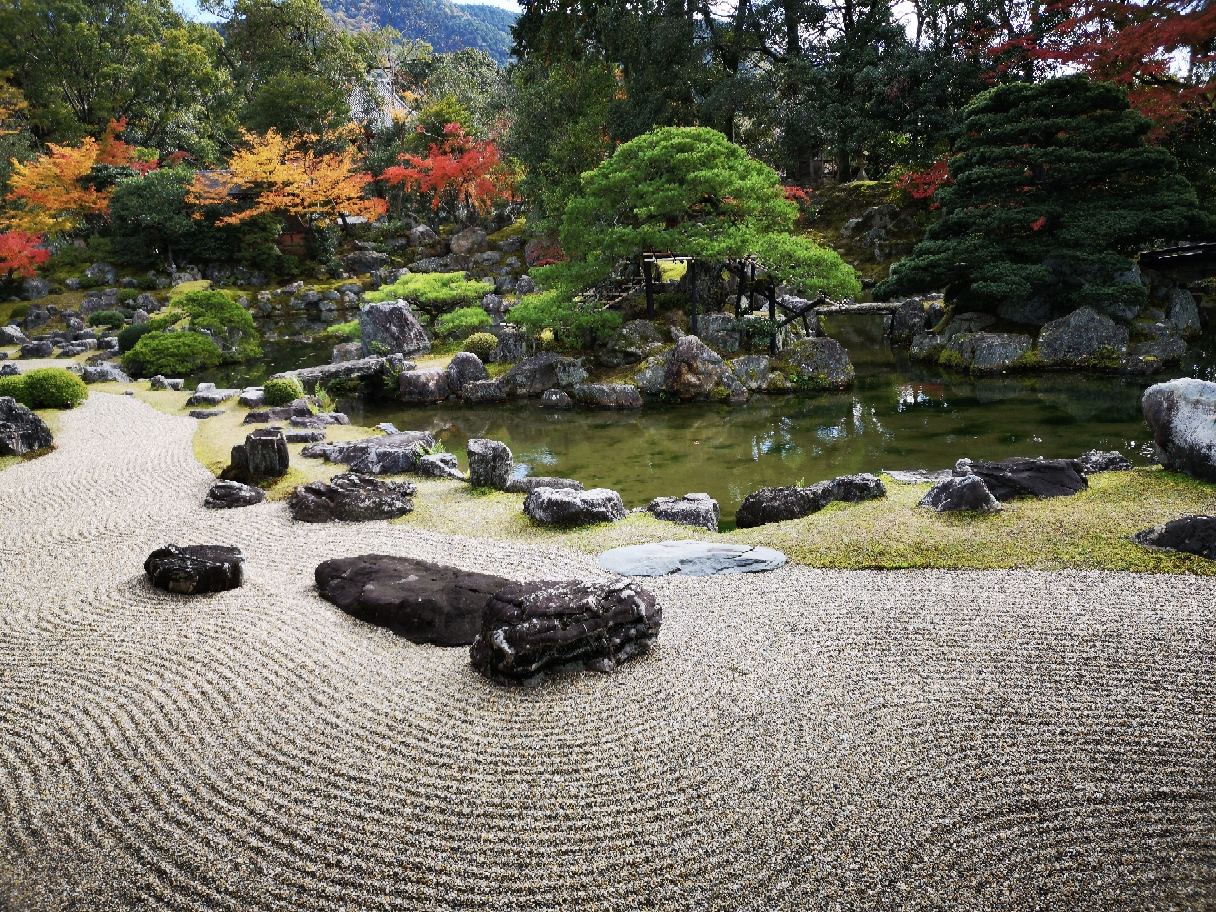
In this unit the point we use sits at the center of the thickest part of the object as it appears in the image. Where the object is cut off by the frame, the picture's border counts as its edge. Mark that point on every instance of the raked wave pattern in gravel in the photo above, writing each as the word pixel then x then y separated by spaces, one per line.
pixel 798 740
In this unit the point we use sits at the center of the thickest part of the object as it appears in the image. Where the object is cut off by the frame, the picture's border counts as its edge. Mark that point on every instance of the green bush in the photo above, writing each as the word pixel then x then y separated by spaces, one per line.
pixel 20 312
pixel 127 295
pixel 14 387
pixel 171 354
pixel 214 311
pixel 462 322
pixel 433 292
pixel 347 332
pixel 132 334
pixel 281 392
pixel 111 318
pixel 54 387
pixel 574 324
pixel 481 344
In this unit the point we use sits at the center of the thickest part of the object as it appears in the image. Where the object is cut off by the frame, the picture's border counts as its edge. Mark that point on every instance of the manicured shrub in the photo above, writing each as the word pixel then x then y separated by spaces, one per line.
pixel 111 318
pixel 347 332
pixel 214 311
pixel 132 334
pixel 20 312
pixel 172 354
pixel 127 295
pixel 462 322
pixel 433 292
pixel 481 344
pixel 281 392
pixel 54 387
pixel 14 387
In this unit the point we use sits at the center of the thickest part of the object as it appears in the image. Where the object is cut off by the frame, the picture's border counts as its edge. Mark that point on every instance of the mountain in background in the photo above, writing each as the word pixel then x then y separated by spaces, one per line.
pixel 445 25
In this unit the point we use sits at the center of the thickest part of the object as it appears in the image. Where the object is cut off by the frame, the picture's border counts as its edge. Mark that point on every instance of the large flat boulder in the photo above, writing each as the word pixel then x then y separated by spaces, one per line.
pixel 351 498
pixel 358 369
pixel 423 387
pixel 1192 534
pixel 391 328
pixel 566 507
pixel 392 454
pixel 422 601
pixel 817 362
pixel 1182 415
pixel 548 370
pixel 770 505
pixel 689 558
pixel 608 395
pixel 988 353
pixel 1021 476
pixel 1084 337
pixel 530 629
pixel 530 483
pixel 195 569
pixel 21 431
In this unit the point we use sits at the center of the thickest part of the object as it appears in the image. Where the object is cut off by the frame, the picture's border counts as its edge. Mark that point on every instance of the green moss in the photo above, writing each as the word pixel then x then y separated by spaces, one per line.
pixel 951 359
pixel 1031 360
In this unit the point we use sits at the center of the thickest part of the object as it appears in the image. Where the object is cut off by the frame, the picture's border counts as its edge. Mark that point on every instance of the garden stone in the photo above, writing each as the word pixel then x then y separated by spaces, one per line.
pixel 386 427
pixel 512 346
pixel 37 350
pixel 926 346
pixel 423 387
pixel 720 330
pixel 358 369
pixel 961 493
pixel 608 395
pixel 526 286
pixel 818 363
pixel 630 344
pixel 11 335
pixel 103 372
pixel 532 376
pixel 203 414
pixel 530 483
pixel 391 328
pixel 478 391
pixel 37 317
pixel 986 353
pixel 102 272
pixel 227 495
pixel 565 507
pixel 1020 476
pixel 465 367
pixel 422 601
pixel 1080 337
pixel 387 275
pixel 1191 534
pixel 392 454
pixel 305 436
pixel 35 289
pixel 752 371
pixel 689 510
pixel 469 241
pixel 195 569
pixel 440 465
pixel 769 505
pixel 139 317
pixel 346 351
pixel 211 396
pixel 422 236
pixel 908 320
pixel 72 349
pixel 489 463
pixel 556 399
pixel 691 370
pixel 533 628
pixel 917 476
pixel 1182 415
pixel 351 497
pixel 263 455
pixel 1095 461
pixel 689 558
pixel 970 322
pixel 1184 313
pixel 314 422
pixel 430 264
pixel 21 431
pixel 147 303
pixel 487 258
pixel 252 397
pixel 364 261
pixel 159 382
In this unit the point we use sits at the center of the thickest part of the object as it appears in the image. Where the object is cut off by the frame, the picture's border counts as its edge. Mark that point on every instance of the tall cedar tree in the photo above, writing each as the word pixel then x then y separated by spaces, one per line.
pixel 1055 190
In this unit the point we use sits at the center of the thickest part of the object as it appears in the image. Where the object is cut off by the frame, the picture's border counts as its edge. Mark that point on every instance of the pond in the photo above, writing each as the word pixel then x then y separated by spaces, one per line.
pixel 899 415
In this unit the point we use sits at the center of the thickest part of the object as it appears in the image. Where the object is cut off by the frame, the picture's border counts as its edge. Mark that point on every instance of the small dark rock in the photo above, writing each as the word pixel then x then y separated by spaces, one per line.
pixel 1192 534
pixel 195 569
pixel 961 493
pixel 225 495
pixel 306 436
pixel 769 505
pixel 37 350
pixel 21 431
pixel 203 414
pixel 351 498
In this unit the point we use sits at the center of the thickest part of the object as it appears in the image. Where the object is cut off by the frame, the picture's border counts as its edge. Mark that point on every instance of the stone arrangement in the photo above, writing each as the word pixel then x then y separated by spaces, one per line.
pixel 490 463
pixel 689 510
pixel 351 498
pixel 1192 534
pixel 961 493
pixel 530 629
pixel 392 454
pixel 262 456
pixel 770 505
pixel 195 569
pixel 21 431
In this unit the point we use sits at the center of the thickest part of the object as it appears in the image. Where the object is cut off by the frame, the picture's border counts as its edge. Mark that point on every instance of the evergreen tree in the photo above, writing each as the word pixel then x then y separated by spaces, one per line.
pixel 1055 190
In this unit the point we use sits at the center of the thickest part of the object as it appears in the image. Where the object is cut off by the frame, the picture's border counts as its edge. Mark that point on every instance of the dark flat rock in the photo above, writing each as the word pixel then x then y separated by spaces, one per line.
pixel 1192 534
pixel 961 493
pixel 195 569
pixel 227 495
pixel 422 601
pixel 530 483
pixel 1021 476
pixel 690 558
pixel 351 498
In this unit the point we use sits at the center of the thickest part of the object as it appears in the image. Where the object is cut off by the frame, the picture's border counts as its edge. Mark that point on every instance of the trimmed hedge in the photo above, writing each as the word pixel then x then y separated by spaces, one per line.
pixel 47 387
pixel 283 391
pixel 172 354
pixel 111 318
pixel 481 344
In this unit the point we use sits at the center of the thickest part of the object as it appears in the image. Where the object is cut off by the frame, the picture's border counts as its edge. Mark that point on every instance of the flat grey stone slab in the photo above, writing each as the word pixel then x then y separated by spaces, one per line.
pixel 918 476
pixel 691 558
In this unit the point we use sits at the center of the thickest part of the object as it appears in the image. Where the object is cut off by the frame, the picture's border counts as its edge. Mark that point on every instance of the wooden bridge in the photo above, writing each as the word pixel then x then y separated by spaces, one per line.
pixel 1192 263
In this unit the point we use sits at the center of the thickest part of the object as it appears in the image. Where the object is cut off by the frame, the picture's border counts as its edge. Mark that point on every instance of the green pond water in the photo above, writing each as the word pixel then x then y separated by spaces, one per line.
pixel 899 415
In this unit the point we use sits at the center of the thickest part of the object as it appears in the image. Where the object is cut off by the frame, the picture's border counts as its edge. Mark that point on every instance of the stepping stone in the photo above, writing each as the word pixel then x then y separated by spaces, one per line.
pixel 205 413
pixel 691 558
pixel 195 569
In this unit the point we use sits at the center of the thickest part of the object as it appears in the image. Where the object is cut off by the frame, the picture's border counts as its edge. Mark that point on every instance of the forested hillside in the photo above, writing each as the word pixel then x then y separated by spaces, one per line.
pixel 445 26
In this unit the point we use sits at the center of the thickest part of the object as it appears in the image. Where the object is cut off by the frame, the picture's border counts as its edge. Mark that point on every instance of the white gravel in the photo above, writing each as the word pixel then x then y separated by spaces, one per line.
pixel 799 740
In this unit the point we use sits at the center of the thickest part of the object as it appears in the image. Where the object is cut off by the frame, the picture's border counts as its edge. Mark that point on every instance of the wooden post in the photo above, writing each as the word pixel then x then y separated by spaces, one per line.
pixel 692 284
pixel 772 318
pixel 649 289
pixel 751 304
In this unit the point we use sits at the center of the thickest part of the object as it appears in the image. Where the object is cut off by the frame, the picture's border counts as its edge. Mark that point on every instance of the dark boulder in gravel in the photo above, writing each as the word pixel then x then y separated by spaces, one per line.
pixel 963 493
pixel 195 569
pixel 530 483
pixel 424 602
pixel 1096 461
pixel 489 463
pixel 533 628
pixel 1182 414
pixel 689 510
pixel 351 498
pixel 564 507
pixel 770 505
pixel 225 495
pixel 1192 534
pixel 21 431
pixel 1021 476
pixel 263 455
pixel 37 350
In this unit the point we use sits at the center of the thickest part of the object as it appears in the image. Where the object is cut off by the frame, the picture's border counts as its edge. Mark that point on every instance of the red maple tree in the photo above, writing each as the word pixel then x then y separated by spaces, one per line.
pixel 459 171
pixel 21 252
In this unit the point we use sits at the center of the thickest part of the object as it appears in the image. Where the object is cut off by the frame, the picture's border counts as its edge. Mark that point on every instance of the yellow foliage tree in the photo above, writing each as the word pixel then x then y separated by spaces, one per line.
pixel 289 176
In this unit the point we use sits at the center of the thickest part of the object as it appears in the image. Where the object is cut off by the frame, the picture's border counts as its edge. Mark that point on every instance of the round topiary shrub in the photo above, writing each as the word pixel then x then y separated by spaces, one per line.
pixel 174 354
pixel 281 392
pixel 481 344
pixel 54 387
pixel 110 318
pixel 14 387
pixel 132 334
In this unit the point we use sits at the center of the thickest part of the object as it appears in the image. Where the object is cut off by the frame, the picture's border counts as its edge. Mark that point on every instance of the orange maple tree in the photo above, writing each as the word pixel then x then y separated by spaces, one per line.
pixel 459 171
pixel 54 193
pixel 288 175
pixel 21 253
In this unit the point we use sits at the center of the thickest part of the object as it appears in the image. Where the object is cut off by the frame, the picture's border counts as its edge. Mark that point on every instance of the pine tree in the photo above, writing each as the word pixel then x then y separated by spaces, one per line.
pixel 1055 190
